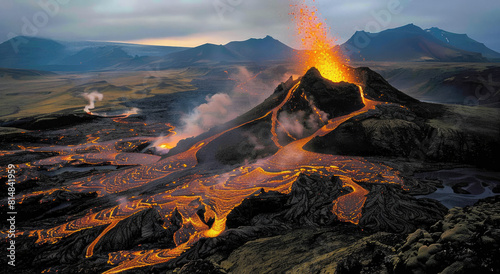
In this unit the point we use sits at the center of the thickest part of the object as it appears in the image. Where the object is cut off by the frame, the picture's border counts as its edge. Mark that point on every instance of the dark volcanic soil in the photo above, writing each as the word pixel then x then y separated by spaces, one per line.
pixel 320 177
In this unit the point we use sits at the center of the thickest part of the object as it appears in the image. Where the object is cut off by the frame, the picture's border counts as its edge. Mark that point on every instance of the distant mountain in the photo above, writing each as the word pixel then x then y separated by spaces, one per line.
pixel 261 49
pixel 30 53
pixel 25 52
pixel 201 54
pixel 21 73
pixel 96 58
pixel 130 49
pixel 464 42
pixel 46 54
pixel 406 43
pixel 251 50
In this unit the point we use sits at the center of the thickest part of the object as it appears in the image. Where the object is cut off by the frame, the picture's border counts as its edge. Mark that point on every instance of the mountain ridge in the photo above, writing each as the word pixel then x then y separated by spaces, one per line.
pixel 46 54
pixel 405 43
pixel 463 41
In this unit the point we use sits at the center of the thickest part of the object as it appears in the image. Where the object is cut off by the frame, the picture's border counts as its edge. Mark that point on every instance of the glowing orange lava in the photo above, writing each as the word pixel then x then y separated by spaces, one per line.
pixel 319 49
pixel 218 194
pixel 170 141
pixel 166 146
pixel 348 207
pixel 186 187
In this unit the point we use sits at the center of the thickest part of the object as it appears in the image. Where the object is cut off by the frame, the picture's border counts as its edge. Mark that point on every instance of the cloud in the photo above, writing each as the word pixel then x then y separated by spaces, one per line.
pixel 129 20
pixel 116 6
pixel 133 20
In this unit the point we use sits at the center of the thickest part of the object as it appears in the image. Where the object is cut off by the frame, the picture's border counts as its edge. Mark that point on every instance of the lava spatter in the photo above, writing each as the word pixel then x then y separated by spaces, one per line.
pixel 319 47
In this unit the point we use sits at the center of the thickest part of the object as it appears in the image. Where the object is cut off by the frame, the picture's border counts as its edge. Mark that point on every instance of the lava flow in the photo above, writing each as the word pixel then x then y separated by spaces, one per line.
pixel 218 194
pixel 179 183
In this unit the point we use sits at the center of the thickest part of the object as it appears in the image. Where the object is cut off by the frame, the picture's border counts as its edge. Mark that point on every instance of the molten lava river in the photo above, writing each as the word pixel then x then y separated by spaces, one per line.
pixel 186 186
pixel 189 188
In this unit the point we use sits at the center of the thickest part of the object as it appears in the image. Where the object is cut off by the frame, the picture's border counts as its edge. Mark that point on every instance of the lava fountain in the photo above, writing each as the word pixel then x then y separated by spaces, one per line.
pixel 319 49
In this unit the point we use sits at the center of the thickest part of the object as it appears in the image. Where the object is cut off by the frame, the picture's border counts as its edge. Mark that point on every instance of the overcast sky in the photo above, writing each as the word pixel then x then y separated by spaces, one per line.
pixel 194 22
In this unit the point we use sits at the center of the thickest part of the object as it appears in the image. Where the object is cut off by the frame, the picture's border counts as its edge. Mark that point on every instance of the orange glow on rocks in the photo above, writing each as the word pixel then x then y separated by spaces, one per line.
pixel 219 194
pixel 319 48
pixel 166 146
pixel 188 188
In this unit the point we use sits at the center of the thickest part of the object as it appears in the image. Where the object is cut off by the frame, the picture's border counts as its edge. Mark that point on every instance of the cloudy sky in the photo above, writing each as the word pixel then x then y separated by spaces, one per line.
pixel 194 22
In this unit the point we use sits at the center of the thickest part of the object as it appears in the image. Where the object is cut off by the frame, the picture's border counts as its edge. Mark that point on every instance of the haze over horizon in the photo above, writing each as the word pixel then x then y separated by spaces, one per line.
pixel 195 22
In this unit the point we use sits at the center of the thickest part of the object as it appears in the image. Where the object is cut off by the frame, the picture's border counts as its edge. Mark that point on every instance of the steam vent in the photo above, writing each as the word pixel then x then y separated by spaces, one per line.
pixel 310 180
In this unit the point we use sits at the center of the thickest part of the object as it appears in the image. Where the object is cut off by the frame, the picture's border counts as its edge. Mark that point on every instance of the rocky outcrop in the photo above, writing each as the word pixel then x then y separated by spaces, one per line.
pixel 466 241
pixel 338 250
pixel 389 208
pixel 335 99
pixel 145 228
pixel 459 135
pixel 306 212
pixel 200 267
pixel 270 214
pixel 375 87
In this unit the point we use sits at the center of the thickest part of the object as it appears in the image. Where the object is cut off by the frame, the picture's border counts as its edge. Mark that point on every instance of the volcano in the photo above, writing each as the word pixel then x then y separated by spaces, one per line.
pixel 318 168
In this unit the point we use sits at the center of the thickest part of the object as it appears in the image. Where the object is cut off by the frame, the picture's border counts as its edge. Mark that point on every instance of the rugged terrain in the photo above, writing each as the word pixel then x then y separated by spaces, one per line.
pixel 320 176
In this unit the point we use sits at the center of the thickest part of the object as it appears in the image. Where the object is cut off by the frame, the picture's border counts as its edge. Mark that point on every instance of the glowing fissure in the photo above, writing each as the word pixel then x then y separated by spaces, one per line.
pixel 90 248
pixel 314 108
pixel 275 114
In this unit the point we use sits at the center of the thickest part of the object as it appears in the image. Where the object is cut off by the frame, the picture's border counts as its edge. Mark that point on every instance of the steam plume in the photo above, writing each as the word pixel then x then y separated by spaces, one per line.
pixel 222 107
pixel 97 96
pixel 92 97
